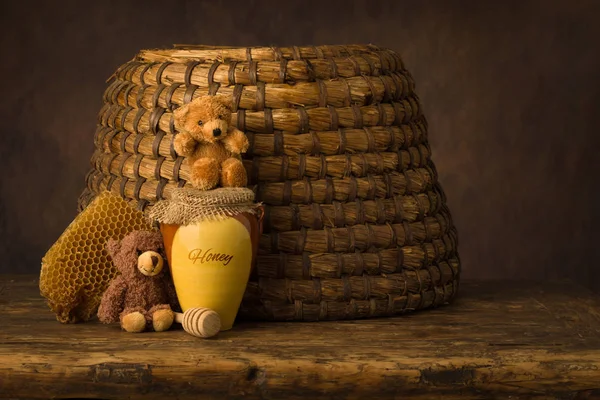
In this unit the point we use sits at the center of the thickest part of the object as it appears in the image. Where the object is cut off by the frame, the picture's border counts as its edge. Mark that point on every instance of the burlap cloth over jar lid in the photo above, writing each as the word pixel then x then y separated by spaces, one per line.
pixel 188 206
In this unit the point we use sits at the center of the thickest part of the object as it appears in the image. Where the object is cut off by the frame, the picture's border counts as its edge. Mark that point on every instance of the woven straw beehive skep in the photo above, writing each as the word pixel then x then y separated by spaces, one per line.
pixel 356 222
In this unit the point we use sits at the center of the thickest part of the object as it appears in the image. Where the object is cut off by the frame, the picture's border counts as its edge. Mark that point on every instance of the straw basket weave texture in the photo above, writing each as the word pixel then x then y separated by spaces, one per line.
pixel 356 223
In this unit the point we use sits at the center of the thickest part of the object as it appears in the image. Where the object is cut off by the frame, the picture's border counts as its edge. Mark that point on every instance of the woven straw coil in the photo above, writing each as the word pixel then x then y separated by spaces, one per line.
pixel 356 223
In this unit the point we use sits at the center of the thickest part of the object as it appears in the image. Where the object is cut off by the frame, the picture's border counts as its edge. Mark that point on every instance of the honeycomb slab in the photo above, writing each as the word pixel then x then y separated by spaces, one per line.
pixel 77 269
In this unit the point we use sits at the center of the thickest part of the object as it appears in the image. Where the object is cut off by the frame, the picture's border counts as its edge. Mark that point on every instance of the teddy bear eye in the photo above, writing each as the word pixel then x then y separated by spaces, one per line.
pixel 200 123
pixel 138 252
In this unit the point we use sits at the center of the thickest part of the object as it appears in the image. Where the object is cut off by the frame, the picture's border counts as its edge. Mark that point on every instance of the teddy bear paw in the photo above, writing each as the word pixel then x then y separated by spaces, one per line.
pixel 134 322
pixel 188 146
pixel 184 144
pixel 237 146
pixel 162 320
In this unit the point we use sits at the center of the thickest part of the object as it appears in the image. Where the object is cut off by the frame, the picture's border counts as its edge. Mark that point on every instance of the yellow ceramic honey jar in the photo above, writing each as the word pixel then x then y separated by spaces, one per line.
pixel 211 240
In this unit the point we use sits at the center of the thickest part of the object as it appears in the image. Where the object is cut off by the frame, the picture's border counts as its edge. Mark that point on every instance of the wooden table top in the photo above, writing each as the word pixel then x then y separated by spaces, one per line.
pixel 498 339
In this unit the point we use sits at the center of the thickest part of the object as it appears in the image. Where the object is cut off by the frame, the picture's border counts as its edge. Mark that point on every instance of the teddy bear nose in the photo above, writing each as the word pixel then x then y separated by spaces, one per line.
pixel 154 261
pixel 217 132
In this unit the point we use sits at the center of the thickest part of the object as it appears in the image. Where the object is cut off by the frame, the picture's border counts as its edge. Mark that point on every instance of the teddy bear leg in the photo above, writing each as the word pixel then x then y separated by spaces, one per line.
pixel 133 319
pixel 162 317
pixel 233 173
pixel 205 173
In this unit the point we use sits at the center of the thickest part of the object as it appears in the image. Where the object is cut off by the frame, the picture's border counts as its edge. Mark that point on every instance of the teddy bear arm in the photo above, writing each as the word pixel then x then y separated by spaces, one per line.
pixel 236 141
pixel 184 144
pixel 112 302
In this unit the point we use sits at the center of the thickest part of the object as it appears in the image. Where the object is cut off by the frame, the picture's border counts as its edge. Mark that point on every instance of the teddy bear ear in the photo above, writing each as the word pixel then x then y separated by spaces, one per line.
pixel 225 101
pixel 181 112
pixel 113 246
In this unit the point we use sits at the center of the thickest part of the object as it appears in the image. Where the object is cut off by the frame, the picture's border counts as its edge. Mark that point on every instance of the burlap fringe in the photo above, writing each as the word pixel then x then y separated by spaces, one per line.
pixel 188 206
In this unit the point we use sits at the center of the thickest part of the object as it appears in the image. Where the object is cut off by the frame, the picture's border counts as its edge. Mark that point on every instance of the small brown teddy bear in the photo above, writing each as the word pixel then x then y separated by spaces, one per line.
pixel 212 146
pixel 142 296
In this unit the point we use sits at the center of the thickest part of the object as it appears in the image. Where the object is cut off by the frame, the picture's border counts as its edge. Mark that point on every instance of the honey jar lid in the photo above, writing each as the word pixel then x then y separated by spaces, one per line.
pixel 187 205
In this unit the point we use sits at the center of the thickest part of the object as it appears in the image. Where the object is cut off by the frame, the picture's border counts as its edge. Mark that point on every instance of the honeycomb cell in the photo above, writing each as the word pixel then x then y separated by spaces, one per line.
pixel 76 269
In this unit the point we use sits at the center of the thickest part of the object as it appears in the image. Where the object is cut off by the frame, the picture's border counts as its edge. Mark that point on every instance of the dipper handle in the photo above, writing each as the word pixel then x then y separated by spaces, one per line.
pixel 200 322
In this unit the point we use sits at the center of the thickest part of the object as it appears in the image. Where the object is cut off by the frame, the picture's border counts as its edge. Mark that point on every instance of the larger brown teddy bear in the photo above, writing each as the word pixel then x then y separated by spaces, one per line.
pixel 142 297
pixel 212 146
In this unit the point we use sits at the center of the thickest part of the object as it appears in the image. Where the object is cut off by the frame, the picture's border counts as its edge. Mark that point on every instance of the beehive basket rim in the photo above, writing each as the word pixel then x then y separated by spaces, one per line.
pixel 206 52
pixel 178 46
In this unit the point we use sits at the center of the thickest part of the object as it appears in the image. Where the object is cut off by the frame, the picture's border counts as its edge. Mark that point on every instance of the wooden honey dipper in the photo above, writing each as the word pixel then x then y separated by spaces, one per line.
pixel 200 322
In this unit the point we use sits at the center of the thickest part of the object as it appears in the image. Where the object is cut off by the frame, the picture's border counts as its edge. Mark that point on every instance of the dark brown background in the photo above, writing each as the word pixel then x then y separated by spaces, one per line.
pixel 511 91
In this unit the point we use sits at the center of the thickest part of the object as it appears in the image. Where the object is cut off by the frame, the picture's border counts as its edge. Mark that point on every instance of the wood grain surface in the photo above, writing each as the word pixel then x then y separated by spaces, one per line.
pixel 498 340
